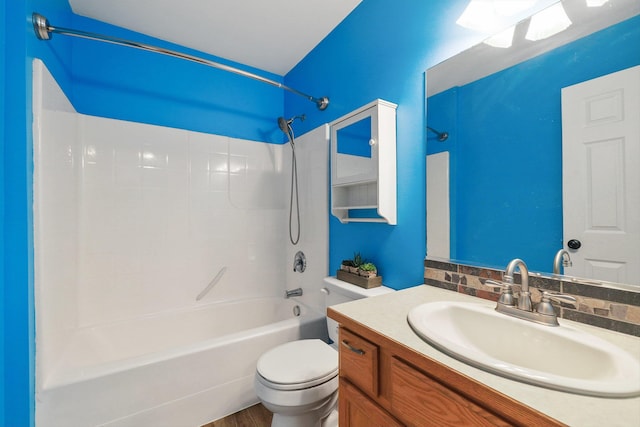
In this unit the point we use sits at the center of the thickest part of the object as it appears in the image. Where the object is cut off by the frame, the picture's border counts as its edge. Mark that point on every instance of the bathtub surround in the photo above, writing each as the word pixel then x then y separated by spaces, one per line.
pixel 132 222
pixel 605 307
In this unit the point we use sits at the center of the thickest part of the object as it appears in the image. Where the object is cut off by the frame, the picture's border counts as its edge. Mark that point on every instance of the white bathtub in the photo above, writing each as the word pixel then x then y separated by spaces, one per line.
pixel 182 368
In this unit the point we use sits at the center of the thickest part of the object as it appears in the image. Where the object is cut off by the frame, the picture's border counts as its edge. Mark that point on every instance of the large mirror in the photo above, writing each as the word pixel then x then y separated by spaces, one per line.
pixel 502 110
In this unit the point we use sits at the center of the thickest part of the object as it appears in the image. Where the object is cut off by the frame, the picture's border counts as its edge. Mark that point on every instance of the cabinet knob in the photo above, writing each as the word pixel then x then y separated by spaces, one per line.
pixel 372 142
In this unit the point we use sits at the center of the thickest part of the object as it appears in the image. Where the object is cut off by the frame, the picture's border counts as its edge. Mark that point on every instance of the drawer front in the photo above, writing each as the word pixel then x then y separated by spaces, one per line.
pixel 359 361
pixel 418 400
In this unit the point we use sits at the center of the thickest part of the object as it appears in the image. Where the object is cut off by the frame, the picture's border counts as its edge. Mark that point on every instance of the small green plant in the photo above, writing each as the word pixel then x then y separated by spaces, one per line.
pixel 368 266
pixel 357 259
pixel 348 263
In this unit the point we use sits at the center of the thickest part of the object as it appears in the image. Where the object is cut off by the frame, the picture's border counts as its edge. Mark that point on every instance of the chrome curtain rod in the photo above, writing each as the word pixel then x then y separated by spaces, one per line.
pixel 43 31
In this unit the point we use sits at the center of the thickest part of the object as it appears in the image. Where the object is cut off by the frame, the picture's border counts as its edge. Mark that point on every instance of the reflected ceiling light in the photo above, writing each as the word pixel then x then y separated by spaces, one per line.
pixel 596 3
pixel 503 39
pixel 489 15
pixel 548 22
pixel 479 15
pixel 512 7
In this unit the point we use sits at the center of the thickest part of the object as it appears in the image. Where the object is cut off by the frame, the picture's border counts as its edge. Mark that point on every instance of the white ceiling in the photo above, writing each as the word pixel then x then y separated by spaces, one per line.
pixel 272 35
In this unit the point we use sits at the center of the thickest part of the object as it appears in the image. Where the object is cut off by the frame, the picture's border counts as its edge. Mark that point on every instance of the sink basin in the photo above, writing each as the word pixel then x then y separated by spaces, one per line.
pixel 560 358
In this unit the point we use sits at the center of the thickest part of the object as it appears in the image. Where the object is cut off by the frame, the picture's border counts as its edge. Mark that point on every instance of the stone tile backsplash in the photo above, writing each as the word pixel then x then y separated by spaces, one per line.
pixel 609 308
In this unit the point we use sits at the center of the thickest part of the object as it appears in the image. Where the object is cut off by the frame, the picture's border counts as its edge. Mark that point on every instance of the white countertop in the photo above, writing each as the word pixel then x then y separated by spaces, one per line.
pixel 386 314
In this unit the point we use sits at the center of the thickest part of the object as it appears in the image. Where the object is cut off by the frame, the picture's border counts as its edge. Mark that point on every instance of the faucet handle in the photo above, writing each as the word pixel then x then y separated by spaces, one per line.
pixel 545 307
pixel 546 296
pixel 506 296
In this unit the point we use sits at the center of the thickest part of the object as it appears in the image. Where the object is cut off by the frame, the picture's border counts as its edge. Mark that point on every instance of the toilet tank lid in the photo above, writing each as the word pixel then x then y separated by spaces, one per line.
pixel 298 362
pixel 353 291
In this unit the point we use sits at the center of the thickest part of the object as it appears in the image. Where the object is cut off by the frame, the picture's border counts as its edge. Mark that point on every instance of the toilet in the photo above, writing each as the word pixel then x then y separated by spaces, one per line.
pixel 298 380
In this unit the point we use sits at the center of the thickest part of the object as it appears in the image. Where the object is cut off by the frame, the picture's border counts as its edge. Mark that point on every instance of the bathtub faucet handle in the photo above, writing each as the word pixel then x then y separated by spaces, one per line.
pixel 299 262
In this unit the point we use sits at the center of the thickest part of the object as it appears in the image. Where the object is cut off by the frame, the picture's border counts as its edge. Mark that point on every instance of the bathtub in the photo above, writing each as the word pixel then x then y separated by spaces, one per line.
pixel 181 368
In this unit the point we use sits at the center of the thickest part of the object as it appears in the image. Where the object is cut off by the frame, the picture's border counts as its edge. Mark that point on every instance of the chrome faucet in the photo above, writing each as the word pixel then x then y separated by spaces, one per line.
pixel 544 313
pixel 524 300
pixel 562 256
pixel 293 293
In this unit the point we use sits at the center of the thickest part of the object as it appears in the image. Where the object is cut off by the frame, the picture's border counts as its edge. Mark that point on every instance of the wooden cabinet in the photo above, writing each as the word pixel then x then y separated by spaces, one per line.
pixel 383 383
pixel 357 410
pixel 415 398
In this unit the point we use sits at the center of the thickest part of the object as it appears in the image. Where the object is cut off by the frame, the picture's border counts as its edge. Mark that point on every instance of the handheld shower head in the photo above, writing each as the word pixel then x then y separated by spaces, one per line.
pixel 284 124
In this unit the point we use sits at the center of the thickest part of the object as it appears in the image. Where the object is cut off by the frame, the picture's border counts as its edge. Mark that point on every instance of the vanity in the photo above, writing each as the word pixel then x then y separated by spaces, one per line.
pixel 391 377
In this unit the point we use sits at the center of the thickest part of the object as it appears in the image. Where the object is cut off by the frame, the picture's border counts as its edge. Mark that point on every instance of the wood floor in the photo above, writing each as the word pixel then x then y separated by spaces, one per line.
pixel 254 416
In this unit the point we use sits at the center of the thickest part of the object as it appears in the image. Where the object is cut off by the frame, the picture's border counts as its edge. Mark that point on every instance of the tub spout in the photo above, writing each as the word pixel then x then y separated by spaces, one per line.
pixel 293 293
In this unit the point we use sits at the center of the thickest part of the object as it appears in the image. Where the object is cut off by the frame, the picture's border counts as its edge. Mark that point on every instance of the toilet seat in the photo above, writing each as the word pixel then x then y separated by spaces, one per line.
pixel 297 365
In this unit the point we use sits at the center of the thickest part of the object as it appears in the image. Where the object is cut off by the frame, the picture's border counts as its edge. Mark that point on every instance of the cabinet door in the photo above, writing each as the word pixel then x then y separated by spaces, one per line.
pixel 418 400
pixel 357 410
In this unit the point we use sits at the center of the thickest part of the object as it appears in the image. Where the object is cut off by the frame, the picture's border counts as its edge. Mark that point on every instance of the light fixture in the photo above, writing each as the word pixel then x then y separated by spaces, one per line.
pixel 548 22
pixel 503 39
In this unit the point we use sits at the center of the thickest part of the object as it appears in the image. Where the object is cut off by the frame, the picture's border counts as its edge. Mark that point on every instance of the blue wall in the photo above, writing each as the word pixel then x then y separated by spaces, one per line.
pixel 3 61
pixel 381 51
pixel 502 208
pixel 129 84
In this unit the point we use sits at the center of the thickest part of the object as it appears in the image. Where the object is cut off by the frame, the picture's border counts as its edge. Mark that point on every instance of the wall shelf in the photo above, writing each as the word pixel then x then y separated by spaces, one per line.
pixel 363 164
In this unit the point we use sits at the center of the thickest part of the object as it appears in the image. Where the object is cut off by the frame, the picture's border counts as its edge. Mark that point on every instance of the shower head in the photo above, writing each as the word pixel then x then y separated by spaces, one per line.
pixel 285 125
pixel 442 136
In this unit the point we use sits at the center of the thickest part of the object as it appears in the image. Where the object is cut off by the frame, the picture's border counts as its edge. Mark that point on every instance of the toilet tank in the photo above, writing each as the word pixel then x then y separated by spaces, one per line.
pixel 336 292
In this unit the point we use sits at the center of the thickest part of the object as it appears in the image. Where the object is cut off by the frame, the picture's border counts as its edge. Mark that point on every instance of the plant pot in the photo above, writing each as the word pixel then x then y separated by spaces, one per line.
pixel 364 273
pixel 353 270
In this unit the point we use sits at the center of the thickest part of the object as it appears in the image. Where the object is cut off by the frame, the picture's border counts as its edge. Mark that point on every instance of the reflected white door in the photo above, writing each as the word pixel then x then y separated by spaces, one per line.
pixel 438 218
pixel 601 176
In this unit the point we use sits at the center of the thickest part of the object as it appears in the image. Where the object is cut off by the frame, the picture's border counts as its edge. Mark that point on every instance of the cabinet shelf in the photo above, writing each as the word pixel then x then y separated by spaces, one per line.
pixel 350 219
pixel 356 207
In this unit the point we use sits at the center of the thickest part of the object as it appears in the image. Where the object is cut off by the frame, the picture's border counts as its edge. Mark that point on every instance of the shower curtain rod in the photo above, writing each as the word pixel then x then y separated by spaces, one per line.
pixel 43 31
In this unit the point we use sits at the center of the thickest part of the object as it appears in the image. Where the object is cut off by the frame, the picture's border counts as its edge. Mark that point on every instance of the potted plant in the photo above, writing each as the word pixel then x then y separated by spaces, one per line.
pixel 347 265
pixel 357 262
pixel 368 269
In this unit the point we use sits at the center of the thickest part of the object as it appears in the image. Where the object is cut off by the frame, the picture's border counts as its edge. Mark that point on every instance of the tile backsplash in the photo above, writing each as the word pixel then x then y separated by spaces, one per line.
pixel 604 307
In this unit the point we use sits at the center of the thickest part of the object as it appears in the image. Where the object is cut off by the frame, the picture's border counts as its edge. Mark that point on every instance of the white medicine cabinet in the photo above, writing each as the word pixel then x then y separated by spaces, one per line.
pixel 363 164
